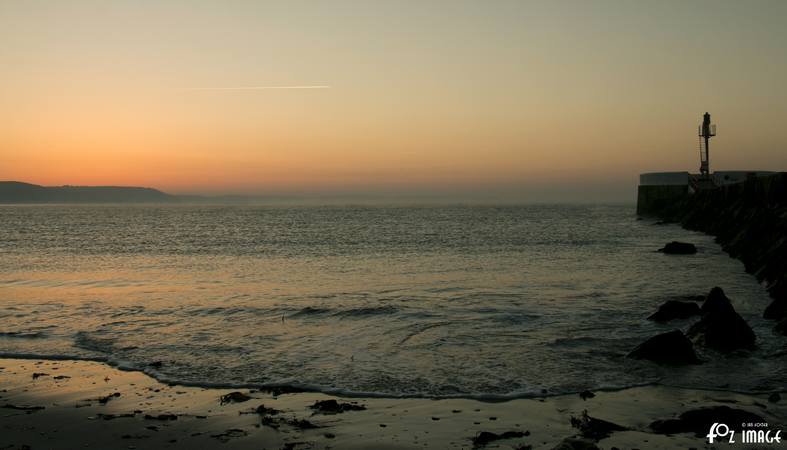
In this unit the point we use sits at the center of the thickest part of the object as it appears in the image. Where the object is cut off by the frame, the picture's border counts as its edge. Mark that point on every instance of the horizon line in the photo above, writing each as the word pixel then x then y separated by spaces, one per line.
pixel 254 88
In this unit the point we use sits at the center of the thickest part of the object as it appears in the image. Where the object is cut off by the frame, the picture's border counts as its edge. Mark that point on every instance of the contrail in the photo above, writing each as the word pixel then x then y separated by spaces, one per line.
pixel 254 88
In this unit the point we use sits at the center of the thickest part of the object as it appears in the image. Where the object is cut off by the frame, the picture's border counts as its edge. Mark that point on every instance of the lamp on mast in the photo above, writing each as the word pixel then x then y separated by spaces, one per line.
pixel 706 131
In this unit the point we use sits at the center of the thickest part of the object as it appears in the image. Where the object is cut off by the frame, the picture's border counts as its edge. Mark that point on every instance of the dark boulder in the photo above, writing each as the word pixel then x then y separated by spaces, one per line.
pixel 716 301
pixel 265 411
pixel 778 292
pixel 699 421
pixel 721 327
pixel 674 309
pixel 781 327
pixel 485 437
pixel 666 348
pixel 679 248
pixel 234 397
pixel 576 444
pixel 776 310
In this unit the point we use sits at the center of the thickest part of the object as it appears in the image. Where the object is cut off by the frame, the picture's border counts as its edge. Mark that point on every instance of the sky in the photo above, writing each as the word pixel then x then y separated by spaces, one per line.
pixel 497 100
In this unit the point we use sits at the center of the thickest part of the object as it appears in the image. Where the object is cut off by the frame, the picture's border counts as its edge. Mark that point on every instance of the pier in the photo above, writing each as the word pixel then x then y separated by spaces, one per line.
pixel 659 192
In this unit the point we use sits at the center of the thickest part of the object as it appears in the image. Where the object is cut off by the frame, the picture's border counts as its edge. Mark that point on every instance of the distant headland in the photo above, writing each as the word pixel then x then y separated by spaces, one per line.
pixel 18 192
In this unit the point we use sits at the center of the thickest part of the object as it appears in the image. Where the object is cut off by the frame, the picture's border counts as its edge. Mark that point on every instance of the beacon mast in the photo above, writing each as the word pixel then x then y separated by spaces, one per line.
pixel 706 131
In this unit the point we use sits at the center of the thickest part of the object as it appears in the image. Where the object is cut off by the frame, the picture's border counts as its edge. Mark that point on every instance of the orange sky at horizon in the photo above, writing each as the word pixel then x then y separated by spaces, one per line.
pixel 418 96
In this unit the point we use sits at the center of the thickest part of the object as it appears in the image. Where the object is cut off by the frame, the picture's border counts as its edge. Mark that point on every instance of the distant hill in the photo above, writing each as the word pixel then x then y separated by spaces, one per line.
pixel 18 192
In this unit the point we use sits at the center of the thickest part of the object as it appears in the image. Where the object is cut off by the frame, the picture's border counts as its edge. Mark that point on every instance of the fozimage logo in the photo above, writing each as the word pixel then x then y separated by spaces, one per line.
pixel 750 433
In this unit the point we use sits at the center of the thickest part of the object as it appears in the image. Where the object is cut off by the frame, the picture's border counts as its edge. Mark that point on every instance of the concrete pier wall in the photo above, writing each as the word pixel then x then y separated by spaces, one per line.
pixel 664 179
pixel 655 199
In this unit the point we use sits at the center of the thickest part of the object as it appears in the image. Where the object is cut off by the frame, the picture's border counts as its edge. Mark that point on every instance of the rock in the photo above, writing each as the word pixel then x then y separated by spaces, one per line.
pixel 302 424
pixel 270 421
pixel 263 411
pixel 781 327
pixel 333 407
pixel 134 436
pixel 485 437
pixel 234 397
pixel 678 248
pixel 749 220
pixel 699 421
pixel 104 400
pixel 28 409
pixel 776 310
pixel 161 417
pixel 584 395
pixel 575 444
pixel 716 301
pixel 592 428
pixel 229 434
pixel 721 327
pixel 156 364
pixel 674 309
pixel 667 348
pixel 114 416
pixel 774 398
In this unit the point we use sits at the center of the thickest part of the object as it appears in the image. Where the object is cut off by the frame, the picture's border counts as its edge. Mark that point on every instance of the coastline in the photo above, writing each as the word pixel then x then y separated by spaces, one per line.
pixel 87 404
pixel 747 220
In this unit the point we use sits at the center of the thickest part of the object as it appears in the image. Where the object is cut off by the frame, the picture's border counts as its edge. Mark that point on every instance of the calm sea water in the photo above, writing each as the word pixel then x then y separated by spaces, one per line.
pixel 423 301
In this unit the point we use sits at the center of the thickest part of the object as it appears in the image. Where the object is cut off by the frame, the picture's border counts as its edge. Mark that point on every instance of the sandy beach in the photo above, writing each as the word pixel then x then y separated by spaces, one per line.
pixel 84 404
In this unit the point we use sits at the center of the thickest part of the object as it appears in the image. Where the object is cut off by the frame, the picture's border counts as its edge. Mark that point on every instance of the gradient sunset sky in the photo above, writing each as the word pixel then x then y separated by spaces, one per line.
pixel 547 100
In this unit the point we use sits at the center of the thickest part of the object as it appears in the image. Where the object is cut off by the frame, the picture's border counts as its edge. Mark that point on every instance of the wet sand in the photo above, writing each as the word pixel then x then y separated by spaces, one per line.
pixel 84 404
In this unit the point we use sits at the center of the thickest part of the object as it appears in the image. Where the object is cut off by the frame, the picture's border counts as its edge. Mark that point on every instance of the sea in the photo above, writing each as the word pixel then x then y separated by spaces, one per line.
pixel 486 302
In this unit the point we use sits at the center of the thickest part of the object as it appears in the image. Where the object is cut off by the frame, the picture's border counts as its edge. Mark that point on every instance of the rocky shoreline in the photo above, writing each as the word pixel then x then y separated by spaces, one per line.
pixel 749 221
